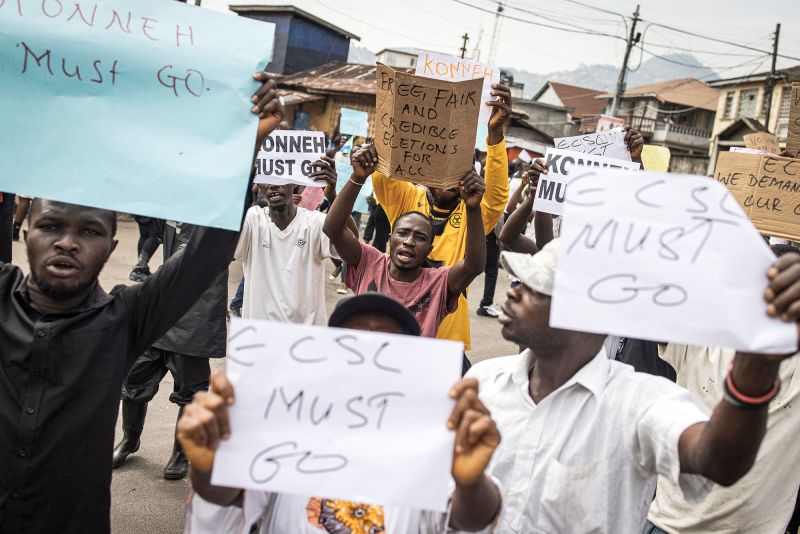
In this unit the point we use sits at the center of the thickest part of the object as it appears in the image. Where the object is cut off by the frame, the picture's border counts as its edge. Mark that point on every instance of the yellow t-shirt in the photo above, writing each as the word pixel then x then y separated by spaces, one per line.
pixel 398 197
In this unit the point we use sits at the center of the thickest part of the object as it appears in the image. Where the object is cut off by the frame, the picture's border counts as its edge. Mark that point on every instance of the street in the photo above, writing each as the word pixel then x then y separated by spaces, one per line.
pixel 141 500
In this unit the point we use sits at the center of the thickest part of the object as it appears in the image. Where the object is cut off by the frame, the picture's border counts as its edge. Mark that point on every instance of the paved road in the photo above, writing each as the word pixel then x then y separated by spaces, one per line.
pixel 142 501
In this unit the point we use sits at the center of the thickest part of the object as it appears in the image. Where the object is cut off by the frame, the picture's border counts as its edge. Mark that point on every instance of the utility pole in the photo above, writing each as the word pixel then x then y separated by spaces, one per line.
pixel 465 37
pixel 633 38
pixel 769 87
pixel 498 19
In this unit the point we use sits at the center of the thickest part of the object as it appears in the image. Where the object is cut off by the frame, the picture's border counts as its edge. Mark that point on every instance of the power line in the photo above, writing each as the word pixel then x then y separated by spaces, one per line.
pixel 544 17
pixel 685 32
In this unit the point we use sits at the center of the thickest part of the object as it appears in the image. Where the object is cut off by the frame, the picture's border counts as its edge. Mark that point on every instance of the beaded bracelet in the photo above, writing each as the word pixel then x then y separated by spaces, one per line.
pixel 356 183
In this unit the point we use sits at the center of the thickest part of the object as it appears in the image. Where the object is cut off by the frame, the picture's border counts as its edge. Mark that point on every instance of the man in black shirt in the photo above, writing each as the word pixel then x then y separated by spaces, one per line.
pixel 66 346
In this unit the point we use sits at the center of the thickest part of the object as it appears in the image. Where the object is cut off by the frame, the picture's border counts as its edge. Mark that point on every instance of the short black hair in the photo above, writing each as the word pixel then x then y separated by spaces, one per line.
pixel 780 250
pixel 110 215
pixel 415 212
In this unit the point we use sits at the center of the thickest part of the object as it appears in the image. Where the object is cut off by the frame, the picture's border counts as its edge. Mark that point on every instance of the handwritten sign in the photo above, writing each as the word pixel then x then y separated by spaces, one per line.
pixel 288 157
pixel 456 69
pixel 130 105
pixel 767 188
pixel 658 256
pixel 347 414
pixel 552 188
pixel 610 143
pixel 793 134
pixel 425 128
pixel 763 141
pixel 354 122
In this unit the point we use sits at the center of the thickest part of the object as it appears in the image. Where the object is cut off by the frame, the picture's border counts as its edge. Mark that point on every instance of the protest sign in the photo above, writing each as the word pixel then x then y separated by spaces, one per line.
pixel 425 128
pixel 607 122
pixel 656 256
pixel 343 414
pixel 655 158
pixel 793 134
pixel 745 150
pixel 524 156
pixel 768 189
pixel 456 69
pixel 288 157
pixel 343 172
pixel 762 141
pixel 553 185
pixel 609 143
pixel 354 122
pixel 130 105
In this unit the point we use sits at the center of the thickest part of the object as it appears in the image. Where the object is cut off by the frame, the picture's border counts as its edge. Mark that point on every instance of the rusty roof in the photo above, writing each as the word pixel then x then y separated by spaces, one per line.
pixel 582 100
pixel 683 91
pixel 332 78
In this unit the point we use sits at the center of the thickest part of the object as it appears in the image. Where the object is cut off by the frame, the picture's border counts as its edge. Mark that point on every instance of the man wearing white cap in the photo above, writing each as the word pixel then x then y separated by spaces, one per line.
pixel 585 437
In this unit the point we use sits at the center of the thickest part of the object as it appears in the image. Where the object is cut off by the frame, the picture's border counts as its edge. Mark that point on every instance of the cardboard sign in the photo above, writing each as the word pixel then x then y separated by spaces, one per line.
pixel 288 157
pixel 139 106
pixel 456 69
pixel 552 188
pixel 346 414
pixel 793 134
pixel 610 143
pixel 655 158
pixel 607 122
pixel 767 187
pixel 658 256
pixel 425 128
pixel 762 141
pixel 354 122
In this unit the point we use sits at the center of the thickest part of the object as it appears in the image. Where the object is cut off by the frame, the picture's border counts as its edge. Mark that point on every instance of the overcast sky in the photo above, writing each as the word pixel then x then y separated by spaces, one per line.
pixel 439 24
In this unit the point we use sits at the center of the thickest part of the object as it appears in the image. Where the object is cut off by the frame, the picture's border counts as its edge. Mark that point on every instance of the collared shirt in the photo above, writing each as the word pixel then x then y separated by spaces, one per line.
pixel 762 501
pixel 585 459
pixel 60 380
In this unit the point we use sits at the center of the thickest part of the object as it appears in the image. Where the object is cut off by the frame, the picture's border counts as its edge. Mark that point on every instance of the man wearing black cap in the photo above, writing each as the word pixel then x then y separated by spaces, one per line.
pixel 474 504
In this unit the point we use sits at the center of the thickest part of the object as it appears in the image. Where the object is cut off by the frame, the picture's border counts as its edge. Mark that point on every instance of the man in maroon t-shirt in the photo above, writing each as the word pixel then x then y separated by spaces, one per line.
pixel 429 293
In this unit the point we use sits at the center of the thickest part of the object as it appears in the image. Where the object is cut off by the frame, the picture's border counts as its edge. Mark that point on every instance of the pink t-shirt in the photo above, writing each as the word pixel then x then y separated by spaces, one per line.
pixel 425 297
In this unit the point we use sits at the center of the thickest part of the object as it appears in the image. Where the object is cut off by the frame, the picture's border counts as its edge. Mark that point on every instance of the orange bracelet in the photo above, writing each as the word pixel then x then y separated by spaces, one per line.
pixel 745 399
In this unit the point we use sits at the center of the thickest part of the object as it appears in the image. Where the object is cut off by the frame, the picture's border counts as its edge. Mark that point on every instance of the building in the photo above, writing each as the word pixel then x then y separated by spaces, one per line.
pixel 302 41
pixel 741 109
pixel 399 58
pixel 582 103
pixel 552 120
pixel 313 99
pixel 677 114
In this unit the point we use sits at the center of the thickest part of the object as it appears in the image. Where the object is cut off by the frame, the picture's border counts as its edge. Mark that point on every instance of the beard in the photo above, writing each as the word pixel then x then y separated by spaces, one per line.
pixel 63 291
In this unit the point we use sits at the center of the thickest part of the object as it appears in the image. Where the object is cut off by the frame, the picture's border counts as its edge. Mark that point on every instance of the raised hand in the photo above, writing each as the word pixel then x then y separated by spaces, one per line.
pixel 477 436
pixel 472 188
pixel 364 160
pixel 635 143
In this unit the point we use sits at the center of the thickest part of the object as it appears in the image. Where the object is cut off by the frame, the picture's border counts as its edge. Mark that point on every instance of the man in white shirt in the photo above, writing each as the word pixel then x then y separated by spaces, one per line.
pixel 283 250
pixel 763 500
pixel 585 437
pixel 474 503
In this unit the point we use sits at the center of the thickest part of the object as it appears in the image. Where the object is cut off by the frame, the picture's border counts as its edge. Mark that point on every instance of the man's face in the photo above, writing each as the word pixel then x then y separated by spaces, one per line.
pixel 526 316
pixel 410 242
pixel 373 322
pixel 444 197
pixel 278 196
pixel 67 247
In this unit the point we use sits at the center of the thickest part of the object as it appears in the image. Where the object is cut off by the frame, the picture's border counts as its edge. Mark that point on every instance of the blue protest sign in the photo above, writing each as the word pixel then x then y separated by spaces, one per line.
pixel 354 122
pixel 141 106
pixel 343 172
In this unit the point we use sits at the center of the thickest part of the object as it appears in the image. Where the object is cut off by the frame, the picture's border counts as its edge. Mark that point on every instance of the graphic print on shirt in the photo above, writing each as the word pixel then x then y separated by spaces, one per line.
pixel 344 517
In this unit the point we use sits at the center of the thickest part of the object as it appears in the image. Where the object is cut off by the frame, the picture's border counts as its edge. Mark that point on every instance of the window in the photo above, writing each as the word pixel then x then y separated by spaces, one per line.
pixel 413 61
pixel 748 101
pixel 786 99
pixel 728 113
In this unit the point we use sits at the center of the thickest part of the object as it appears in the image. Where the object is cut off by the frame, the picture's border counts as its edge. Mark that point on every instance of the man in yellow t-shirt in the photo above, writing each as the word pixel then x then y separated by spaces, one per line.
pixel 447 211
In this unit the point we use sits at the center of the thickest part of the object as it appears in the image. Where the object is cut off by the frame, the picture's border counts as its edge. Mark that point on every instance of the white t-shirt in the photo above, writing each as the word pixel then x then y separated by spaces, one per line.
pixel 763 500
pixel 586 458
pixel 284 270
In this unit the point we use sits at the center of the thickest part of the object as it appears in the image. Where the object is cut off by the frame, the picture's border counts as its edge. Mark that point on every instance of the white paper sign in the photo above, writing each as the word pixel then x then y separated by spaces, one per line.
pixel 610 143
pixel 664 257
pixel 342 414
pixel 553 185
pixel 288 157
pixel 524 156
pixel 744 150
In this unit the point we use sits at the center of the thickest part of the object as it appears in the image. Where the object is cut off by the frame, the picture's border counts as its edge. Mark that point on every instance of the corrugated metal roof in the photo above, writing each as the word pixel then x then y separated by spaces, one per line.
pixel 334 77
pixel 684 91
pixel 256 8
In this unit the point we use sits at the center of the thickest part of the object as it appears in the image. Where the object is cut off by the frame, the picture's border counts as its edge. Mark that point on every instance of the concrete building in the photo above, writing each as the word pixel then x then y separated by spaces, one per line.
pixel 399 58
pixel 302 40
pixel 582 103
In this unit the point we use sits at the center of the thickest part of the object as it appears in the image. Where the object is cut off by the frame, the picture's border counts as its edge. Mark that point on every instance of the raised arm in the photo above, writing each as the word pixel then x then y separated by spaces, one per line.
pixel 725 448
pixel 346 243
pixel 162 299
pixel 512 235
pixel 496 172
pixel 326 172
pixel 464 272
pixel 476 499
pixel 635 143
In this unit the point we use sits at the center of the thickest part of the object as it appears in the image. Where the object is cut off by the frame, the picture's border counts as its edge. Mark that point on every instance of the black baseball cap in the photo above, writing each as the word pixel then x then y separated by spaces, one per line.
pixel 374 303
